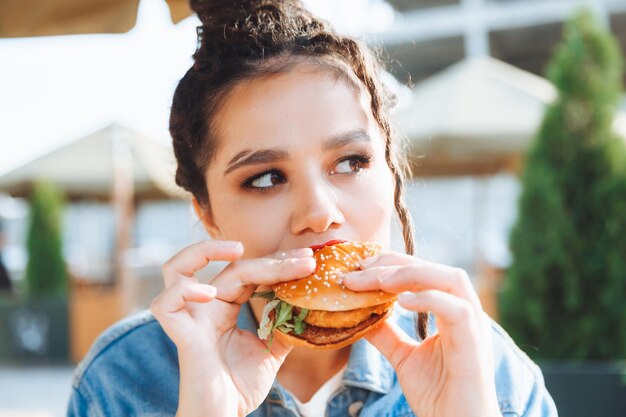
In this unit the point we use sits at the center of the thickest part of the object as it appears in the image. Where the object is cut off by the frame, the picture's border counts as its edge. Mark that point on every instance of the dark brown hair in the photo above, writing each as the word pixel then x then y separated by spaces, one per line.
pixel 240 40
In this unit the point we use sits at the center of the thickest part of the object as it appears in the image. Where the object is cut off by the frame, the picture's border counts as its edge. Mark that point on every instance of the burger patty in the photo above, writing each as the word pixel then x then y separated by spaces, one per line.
pixel 326 335
pixel 343 319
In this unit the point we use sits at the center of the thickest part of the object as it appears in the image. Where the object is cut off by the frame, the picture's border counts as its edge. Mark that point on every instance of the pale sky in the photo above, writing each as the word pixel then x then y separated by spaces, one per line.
pixel 58 89
pixel 54 90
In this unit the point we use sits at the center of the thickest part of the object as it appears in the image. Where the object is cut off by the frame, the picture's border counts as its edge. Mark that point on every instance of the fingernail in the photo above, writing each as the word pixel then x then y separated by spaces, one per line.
pixel 406 297
pixel 232 244
pixel 350 276
pixel 211 290
pixel 369 261
pixel 305 262
pixel 301 252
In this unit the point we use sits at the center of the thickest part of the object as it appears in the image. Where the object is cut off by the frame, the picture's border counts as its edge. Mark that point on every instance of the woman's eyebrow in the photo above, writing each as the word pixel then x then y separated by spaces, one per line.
pixel 262 156
pixel 343 139
pixel 266 156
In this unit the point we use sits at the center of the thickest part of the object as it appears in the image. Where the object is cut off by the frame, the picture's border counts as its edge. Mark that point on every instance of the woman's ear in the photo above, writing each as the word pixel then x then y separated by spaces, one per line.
pixel 206 219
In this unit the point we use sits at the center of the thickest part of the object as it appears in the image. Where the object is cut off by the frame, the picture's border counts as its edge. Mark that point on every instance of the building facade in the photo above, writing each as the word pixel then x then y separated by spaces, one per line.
pixel 429 35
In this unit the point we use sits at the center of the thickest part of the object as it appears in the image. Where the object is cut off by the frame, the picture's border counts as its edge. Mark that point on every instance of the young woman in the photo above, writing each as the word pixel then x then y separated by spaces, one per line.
pixel 282 136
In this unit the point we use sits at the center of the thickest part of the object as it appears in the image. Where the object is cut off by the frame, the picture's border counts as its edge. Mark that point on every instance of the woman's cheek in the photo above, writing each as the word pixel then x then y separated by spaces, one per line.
pixel 377 186
pixel 376 202
pixel 259 226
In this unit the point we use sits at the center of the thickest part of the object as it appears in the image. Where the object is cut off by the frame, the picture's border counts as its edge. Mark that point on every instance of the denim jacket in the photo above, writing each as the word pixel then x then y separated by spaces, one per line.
pixel 132 370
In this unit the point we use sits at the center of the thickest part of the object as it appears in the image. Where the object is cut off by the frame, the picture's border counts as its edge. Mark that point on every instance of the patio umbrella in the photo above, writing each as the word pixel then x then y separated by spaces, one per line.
pixel 477 116
pixel 85 168
pixel 19 18
pixel 114 164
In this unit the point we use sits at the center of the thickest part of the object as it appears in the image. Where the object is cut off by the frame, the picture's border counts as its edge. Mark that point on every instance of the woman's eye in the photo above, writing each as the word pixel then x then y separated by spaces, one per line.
pixel 352 164
pixel 267 180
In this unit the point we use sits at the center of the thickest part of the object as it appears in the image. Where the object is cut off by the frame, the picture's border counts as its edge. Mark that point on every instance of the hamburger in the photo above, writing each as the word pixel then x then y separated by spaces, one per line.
pixel 318 311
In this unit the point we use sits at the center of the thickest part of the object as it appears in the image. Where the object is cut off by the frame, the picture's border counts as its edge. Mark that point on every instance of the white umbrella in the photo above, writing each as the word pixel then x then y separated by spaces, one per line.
pixel 479 109
pixel 52 17
pixel 85 167
pixel 115 164
pixel 477 116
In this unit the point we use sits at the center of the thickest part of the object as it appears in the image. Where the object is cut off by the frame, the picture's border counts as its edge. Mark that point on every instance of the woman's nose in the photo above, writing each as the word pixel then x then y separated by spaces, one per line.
pixel 316 209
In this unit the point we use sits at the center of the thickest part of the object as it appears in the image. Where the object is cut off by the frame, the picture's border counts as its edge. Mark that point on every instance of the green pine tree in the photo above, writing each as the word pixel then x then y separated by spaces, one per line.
pixel 46 274
pixel 565 293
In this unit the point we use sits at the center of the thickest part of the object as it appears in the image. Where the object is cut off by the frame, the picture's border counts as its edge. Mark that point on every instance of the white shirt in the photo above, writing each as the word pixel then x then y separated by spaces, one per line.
pixel 316 406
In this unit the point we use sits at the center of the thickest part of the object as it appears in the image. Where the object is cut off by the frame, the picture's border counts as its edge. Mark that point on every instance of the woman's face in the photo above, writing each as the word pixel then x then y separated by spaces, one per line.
pixel 300 160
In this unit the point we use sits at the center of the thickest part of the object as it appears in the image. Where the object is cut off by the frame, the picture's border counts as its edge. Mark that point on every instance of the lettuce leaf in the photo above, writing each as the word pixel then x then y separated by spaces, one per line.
pixel 266 326
pixel 298 321
pixel 268 295
pixel 284 318
pixel 284 314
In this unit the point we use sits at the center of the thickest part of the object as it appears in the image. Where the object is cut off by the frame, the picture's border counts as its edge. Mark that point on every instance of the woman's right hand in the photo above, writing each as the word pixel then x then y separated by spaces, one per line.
pixel 224 371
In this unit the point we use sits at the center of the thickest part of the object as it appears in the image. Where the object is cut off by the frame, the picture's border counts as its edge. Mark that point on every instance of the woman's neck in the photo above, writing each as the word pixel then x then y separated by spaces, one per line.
pixel 305 370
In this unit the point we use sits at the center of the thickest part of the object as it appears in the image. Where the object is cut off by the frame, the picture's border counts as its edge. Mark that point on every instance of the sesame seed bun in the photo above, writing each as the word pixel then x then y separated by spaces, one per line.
pixel 337 316
pixel 324 290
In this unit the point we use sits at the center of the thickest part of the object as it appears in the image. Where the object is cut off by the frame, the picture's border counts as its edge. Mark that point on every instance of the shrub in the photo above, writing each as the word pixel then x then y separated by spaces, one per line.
pixel 46 273
pixel 565 292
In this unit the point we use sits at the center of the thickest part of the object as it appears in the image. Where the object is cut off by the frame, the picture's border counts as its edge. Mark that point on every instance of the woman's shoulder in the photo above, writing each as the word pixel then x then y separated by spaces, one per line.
pixel 509 359
pixel 519 381
pixel 133 341
pixel 131 369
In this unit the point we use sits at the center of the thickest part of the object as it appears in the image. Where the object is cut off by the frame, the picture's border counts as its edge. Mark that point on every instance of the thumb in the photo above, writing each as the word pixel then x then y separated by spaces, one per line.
pixel 392 342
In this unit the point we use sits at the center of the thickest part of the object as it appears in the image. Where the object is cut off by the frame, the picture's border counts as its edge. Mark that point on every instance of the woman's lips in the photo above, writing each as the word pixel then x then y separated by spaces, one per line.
pixel 329 243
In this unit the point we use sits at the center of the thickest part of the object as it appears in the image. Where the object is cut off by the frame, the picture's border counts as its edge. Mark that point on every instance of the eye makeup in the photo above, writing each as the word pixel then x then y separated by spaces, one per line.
pixel 362 158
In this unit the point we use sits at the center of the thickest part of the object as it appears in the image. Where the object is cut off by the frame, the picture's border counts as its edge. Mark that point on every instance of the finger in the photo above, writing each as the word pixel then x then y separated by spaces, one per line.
pixel 237 282
pixel 455 316
pixel 418 276
pixel 396 259
pixel 464 337
pixel 292 253
pixel 169 307
pixel 392 342
pixel 175 298
pixel 195 257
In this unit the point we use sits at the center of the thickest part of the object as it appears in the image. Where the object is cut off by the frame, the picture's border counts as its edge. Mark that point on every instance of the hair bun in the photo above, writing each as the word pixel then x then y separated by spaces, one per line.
pixel 220 12
pixel 207 10
pixel 239 30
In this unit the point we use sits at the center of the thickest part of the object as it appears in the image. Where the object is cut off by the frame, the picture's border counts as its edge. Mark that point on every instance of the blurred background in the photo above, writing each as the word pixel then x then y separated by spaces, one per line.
pixel 515 118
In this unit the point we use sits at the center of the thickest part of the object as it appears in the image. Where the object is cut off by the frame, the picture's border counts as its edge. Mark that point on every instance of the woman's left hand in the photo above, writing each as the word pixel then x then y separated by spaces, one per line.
pixel 450 373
